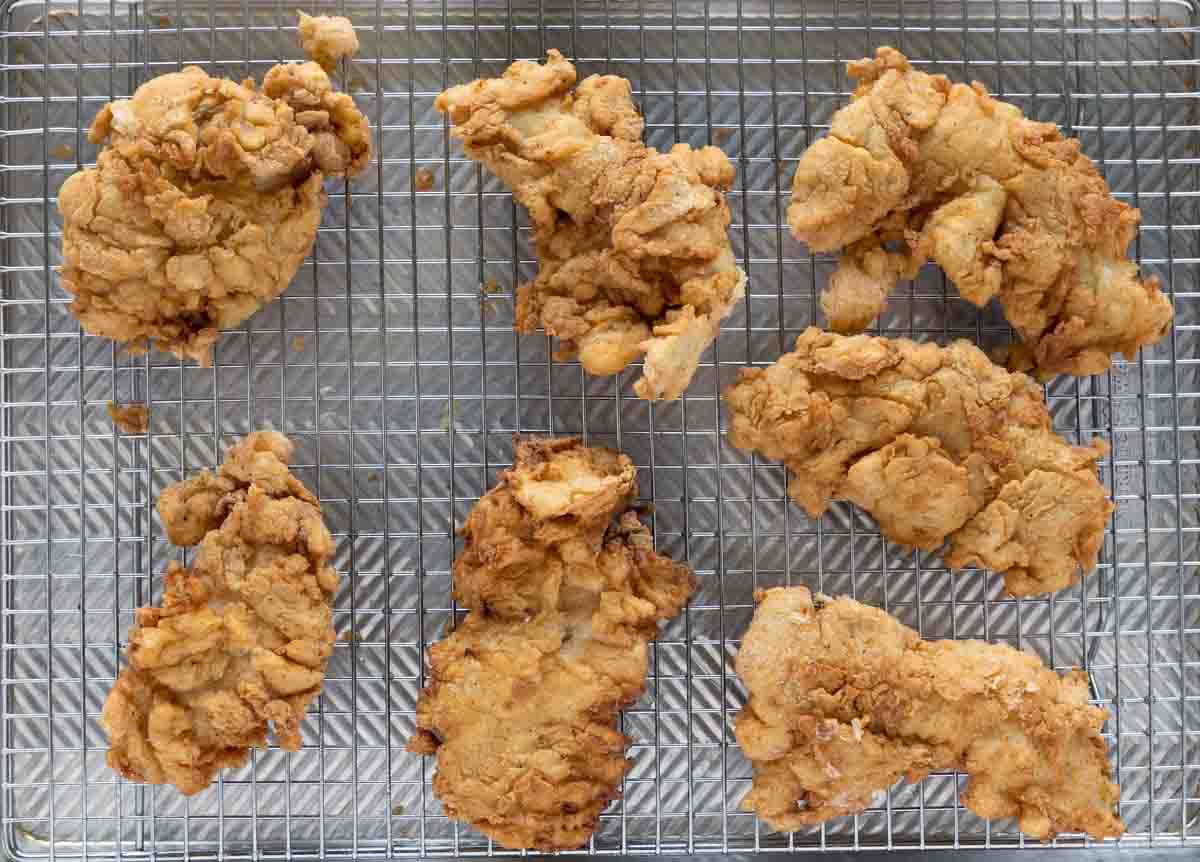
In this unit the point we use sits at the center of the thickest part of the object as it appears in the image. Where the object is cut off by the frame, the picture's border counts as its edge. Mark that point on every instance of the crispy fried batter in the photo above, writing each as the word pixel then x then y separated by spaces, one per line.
pixel 204 202
pixel 937 444
pixel 327 39
pixel 844 701
pixel 243 635
pixel 564 590
pixel 633 244
pixel 1005 205
pixel 131 418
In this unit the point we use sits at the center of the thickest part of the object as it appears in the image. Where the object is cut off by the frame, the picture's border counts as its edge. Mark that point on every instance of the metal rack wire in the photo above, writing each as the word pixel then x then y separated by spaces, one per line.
pixel 392 362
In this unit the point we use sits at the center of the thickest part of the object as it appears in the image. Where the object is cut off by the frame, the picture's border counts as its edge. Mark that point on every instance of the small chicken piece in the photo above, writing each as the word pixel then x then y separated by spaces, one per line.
pixel 633 244
pixel 204 202
pixel 1005 205
pixel 243 635
pixel 564 591
pixel 327 39
pixel 858 289
pixel 843 701
pixel 130 418
pixel 938 444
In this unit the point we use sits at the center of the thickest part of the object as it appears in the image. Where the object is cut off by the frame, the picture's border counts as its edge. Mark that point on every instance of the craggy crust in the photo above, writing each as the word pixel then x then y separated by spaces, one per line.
pixel 844 701
pixel 1006 206
pixel 633 244
pixel 204 202
pixel 564 590
pixel 327 39
pixel 243 635
pixel 937 444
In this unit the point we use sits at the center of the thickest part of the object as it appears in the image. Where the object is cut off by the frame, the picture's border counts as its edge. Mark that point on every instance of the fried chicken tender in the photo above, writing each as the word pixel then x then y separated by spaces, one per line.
pixel 633 244
pixel 938 444
pixel 327 39
pixel 564 590
pixel 843 701
pixel 916 168
pixel 243 635
pixel 203 203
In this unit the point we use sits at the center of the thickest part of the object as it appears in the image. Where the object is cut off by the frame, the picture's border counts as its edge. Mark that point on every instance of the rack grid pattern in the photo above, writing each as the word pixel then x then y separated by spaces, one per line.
pixel 392 363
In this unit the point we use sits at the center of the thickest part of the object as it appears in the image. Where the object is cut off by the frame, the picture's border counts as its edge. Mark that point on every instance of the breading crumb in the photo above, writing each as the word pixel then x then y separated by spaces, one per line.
pixel 423 179
pixel 488 302
pixel 131 418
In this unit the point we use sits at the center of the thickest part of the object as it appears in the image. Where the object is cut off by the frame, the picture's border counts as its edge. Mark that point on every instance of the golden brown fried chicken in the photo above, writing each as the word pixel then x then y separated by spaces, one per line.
pixel 632 244
pixel 938 444
pixel 327 39
pixel 564 590
pixel 243 634
pixel 203 203
pixel 844 701
pixel 916 168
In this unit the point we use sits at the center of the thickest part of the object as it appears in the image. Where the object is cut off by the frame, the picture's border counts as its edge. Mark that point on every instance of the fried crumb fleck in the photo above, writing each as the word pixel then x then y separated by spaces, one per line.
pixel 62 151
pixel 298 343
pixel 423 179
pixel 720 136
pixel 131 418
pixel 488 301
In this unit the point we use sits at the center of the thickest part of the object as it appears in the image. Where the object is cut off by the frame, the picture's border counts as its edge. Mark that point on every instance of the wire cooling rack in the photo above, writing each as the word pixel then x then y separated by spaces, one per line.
pixel 391 361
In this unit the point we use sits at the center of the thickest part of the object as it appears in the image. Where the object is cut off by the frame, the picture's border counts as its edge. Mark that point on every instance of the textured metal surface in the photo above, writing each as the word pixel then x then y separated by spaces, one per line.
pixel 401 381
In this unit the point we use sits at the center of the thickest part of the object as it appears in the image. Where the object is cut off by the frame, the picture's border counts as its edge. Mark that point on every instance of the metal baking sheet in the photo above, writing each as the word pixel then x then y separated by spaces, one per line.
pixel 391 361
